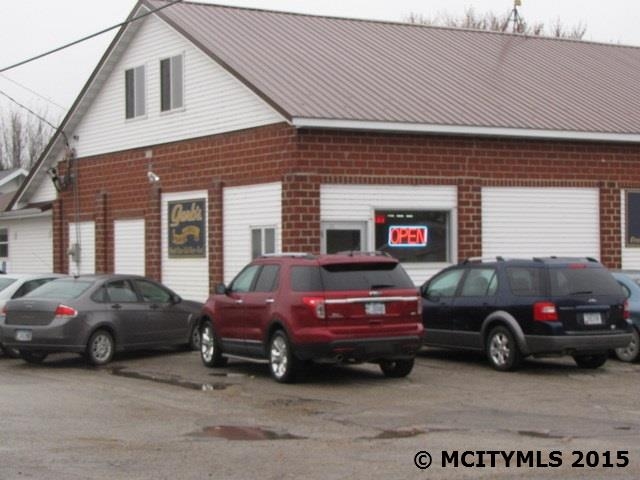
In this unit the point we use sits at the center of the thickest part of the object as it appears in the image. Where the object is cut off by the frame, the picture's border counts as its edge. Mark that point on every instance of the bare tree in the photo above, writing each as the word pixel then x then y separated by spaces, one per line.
pixel 23 137
pixel 499 23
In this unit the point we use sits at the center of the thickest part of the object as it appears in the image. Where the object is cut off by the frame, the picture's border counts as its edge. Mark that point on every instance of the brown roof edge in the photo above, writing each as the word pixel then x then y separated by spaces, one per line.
pixel 273 104
pixel 73 108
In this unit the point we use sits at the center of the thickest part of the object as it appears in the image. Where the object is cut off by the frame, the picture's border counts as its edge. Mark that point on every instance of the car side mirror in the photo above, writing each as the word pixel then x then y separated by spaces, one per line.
pixel 221 289
pixel 175 299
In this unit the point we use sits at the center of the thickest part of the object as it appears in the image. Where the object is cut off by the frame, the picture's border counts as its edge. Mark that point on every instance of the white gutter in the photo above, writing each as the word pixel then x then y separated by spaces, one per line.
pixel 400 127
pixel 25 213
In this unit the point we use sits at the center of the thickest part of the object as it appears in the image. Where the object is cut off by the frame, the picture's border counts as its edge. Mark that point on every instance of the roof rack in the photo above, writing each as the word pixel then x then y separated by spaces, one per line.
pixel 355 253
pixel 287 254
pixel 482 259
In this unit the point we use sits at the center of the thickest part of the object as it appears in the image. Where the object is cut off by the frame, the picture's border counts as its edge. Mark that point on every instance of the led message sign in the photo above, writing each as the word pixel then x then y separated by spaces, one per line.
pixel 408 236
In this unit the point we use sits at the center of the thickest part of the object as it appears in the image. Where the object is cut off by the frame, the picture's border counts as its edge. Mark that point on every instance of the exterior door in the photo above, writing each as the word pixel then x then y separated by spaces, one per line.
pixel 344 237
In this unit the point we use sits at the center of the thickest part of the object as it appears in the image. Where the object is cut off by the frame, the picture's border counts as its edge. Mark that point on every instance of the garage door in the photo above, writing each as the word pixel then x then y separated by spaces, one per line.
pixel 129 254
pixel 525 222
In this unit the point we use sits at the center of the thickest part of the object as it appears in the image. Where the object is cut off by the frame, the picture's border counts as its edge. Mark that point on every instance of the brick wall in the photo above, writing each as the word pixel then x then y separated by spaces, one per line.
pixel 115 186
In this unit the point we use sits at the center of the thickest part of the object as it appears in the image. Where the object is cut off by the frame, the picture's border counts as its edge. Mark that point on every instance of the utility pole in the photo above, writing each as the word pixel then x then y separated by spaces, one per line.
pixel 515 18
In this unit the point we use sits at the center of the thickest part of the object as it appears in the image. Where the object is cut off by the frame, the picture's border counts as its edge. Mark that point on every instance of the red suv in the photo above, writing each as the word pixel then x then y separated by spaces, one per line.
pixel 292 308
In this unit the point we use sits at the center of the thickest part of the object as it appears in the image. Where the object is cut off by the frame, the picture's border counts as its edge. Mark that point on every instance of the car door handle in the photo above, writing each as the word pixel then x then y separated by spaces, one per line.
pixel 269 300
pixel 116 306
pixel 154 306
pixel 239 301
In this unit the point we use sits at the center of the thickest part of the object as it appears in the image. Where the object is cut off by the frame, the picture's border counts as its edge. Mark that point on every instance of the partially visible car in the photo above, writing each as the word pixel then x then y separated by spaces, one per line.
pixel 98 315
pixel 630 282
pixel 16 285
pixel 511 309
pixel 291 309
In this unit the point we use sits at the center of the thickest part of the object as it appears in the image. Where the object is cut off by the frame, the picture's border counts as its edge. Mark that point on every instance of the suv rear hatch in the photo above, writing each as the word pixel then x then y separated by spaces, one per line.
pixel 588 298
pixel 369 299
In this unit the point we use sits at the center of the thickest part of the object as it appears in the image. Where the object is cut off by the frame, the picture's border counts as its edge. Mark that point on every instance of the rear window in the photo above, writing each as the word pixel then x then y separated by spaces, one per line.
pixel 61 289
pixel 525 281
pixel 582 281
pixel 350 276
pixel 5 282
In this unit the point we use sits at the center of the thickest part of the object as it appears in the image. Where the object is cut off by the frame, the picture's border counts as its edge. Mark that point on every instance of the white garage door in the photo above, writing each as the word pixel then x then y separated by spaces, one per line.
pixel 526 222
pixel 129 254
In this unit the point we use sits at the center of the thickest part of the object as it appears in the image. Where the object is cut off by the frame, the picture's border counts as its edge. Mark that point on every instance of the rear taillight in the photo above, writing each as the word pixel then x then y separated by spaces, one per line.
pixel 545 312
pixel 65 312
pixel 3 313
pixel 316 304
pixel 626 314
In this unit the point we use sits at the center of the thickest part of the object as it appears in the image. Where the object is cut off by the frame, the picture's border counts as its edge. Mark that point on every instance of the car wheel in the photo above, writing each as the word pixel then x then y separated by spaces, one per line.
pixel 283 364
pixel 631 351
pixel 210 351
pixel 34 357
pixel 397 368
pixel 100 348
pixel 590 361
pixel 194 338
pixel 502 350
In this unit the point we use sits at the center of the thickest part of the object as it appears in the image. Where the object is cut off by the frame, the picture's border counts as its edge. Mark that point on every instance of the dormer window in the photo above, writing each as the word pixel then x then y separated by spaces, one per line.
pixel 135 95
pixel 171 83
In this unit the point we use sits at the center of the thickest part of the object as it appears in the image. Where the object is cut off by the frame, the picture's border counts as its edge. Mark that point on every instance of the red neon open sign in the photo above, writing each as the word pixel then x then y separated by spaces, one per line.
pixel 408 236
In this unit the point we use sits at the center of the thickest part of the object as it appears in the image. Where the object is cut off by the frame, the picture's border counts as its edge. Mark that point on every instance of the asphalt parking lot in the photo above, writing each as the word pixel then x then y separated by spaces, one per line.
pixel 163 415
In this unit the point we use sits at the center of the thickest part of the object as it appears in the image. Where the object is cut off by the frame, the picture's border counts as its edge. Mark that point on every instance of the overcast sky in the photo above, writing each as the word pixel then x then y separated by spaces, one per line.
pixel 30 27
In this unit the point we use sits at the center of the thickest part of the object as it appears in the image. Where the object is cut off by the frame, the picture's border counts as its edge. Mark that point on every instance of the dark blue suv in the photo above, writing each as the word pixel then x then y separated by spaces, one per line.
pixel 511 309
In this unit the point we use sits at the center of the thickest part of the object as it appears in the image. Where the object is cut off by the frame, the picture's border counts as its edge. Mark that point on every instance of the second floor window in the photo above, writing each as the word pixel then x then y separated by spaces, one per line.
pixel 135 94
pixel 171 83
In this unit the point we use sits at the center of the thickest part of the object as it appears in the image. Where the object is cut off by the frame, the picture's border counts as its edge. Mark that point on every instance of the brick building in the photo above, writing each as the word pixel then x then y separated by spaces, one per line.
pixel 208 135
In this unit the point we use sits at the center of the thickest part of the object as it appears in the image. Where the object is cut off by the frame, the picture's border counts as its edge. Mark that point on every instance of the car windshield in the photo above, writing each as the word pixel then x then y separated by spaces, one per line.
pixel 582 281
pixel 5 282
pixel 61 289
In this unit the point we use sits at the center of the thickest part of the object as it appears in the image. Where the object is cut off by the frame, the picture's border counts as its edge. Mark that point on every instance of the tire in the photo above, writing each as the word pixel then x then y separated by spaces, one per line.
pixel 591 361
pixel 34 357
pixel 100 348
pixel 502 350
pixel 194 339
pixel 210 351
pixel 283 364
pixel 631 352
pixel 397 368
pixel 9 351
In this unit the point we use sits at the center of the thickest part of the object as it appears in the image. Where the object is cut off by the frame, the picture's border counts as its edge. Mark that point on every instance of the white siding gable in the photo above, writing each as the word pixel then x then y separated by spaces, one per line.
pixel 244 208
pixel 214 100
pixel 45 192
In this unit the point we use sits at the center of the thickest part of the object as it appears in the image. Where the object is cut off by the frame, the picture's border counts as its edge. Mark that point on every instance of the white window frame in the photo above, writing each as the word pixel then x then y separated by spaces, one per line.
pixel 6 242
pixel 262 229
pixel 139 92
pixel 173 85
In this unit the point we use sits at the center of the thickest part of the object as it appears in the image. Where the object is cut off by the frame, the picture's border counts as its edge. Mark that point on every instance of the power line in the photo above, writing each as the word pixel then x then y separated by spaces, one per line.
pixel 29 110
pixel 88 37
pixel 33 92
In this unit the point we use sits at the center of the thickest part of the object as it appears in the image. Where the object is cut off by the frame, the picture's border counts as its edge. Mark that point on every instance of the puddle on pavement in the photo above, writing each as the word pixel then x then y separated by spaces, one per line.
pixel 391 434
pixel 168 380
pixel 536 434
pixel 234 433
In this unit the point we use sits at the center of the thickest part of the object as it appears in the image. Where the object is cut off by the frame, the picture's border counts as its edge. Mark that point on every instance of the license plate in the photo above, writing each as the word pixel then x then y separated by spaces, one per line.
pixel 375 308
pixel 592 319
pixel 23 335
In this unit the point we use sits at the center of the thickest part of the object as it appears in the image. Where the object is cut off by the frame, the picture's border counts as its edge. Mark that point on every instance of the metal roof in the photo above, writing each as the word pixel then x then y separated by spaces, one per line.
pixel 313 67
